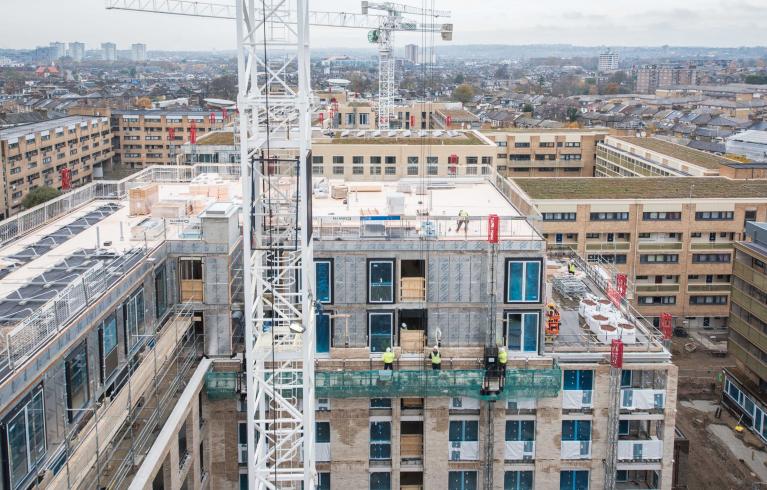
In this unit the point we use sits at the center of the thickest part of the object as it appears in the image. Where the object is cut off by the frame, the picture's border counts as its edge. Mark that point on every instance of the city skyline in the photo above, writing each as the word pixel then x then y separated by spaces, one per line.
pixel 729 23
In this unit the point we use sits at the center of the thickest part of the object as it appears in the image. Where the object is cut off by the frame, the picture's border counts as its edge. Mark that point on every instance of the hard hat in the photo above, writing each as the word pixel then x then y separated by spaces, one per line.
pixel 551 305
pixel 502 349
pixel 388 349
pixel 435 347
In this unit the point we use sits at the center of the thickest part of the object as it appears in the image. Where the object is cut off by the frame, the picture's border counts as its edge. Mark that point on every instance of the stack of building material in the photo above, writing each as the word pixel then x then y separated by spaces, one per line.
pixel 142 199
pixel 176 208
pixel 412 341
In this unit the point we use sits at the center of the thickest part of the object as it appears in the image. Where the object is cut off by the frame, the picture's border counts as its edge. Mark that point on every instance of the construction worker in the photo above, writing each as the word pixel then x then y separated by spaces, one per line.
pixel 463 220
pixel 503 356
pixel 571 267
pixel 436 360
pixel 388 359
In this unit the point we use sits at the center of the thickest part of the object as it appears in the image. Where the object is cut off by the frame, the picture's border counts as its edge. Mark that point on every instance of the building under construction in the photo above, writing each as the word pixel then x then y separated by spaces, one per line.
pixel 121 365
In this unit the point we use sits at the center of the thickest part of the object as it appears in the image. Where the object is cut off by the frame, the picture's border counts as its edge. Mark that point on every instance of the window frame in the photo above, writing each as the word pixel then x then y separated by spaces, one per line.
pixel 393 288
pixel 523 331
pixel 370 314
pixel 106 356
pixel 384 445
pixel 22 409
pixel 507 281
pixel 81 350
pixel 331 272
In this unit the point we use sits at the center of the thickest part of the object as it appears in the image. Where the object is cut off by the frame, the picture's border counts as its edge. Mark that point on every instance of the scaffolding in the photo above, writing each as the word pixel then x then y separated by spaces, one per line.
pixel 104 449
pixel 519 384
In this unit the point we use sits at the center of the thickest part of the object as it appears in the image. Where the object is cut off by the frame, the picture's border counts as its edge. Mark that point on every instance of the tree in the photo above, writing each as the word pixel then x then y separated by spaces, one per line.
pixel 224 87
pixel 39 195
pixel 463 93
pixel 502 73
pixel 528 108
pixel 459 78
pixel 572 114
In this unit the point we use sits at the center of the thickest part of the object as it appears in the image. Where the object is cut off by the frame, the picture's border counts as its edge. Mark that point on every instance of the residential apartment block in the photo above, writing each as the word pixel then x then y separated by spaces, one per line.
pixel 672 236
pixel 744 384
pixel 33 155
pixel 546 152
pixel 621 156
pixel 143 138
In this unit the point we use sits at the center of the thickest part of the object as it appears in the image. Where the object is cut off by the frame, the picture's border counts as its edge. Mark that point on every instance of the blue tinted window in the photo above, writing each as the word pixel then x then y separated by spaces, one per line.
pixel 323 276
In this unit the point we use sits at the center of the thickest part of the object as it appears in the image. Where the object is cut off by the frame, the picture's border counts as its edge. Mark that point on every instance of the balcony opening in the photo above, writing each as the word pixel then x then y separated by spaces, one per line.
pixel 412 331
pixel 411 440
pixel 191 281
pixel 411 480
pixel 413 280
pixel 411 403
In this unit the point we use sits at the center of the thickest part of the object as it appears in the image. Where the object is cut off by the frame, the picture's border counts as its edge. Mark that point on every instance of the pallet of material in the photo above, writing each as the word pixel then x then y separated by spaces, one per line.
pixel 142 199
pixel 171 209
pixel 411 445
pixel 412 340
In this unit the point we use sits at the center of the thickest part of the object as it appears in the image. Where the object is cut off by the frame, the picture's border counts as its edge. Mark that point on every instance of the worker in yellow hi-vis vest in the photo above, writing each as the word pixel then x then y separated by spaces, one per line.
pixel 388 359
pixel 436 360
pixel 503 356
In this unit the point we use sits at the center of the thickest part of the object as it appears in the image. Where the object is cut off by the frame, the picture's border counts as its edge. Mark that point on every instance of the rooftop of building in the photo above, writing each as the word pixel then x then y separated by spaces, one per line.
pixel 399 137
pixel 217 138
pixel 406 205
pixel 750 136
pixel 589 188
pixel 548 130
pixel 694 157
pixel 25 129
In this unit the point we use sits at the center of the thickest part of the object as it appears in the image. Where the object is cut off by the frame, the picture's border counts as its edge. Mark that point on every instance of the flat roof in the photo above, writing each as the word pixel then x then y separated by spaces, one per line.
pixel 416 137
pixel 695 157
pixel 547 130
pixel 445 199
pixel 25 129
pixel 562 188
pixel 217 138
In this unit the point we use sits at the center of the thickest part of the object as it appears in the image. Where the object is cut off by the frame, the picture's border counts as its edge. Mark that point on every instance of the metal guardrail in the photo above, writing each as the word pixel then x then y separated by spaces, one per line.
pixel 53 316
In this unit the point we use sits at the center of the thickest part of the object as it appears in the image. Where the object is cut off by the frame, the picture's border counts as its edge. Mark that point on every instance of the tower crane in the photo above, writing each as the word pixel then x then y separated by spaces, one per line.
pixel 389 23
pixel 381 30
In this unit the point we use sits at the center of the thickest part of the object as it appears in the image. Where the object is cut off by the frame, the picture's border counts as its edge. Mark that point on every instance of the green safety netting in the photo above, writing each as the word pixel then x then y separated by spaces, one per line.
pixel 222 385
pixel 520 384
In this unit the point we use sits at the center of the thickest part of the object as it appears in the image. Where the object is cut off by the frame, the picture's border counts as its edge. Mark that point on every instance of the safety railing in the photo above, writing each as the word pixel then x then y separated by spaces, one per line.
pixel 519 384
pixel 38 328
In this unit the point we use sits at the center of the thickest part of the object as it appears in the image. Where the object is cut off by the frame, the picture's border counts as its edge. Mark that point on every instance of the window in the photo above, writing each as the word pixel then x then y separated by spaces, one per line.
pixel 522 331
pixel 357 171
pixel 390 170
pixel 375 160
pixel 323 326
pixel 350 119
pixel 558 216
pixel 323 479
pixel 520 430
pixel 183 450
pixel 432 160
pixel 380 403
pixel 572 144
pixel 578 379
pixel 662 216
pixel 714 215
pixel 607 258
pixel 523 281
pixel 381 281
pixel 522 145
pixel 612 216
pixel 707 258
pixel 380 440
pixel 518 480
pixel 576 430
pixel 338 159
pixel 657 300
pixel 412 170
pixel 412 160
pixel 323 277
pixel 462 480
pixel 338 170
pixel 357 160
pixel 318 159
pixel 380 480
pixel 464 431
pixel 161 291
pixel 133 319
pixel 487 160
pixel 322 432
pixel 380 332
pixel 574 480
pixel 708 300
pixel 78 393
pixel 190 272
pixel 658 259
pixel 25 438
pixel 390 160
pixel 364 122
pixel 242 443
pixel 471 160
pixel 108 347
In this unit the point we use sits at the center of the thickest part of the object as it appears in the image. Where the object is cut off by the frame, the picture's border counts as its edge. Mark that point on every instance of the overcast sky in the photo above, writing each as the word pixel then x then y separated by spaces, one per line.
pixel 725 23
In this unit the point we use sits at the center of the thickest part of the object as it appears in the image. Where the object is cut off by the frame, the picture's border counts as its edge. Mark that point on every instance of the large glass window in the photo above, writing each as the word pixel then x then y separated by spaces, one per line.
pixel 323 432
pixel 576 430
pixel 323 481
pixel 161 291
pixel 133 318
pixel 462 480
pixel 578 379
pixel 323 276
pixel 518 480
pixel 520 430
pixel 25 438
pixel 109 355
pixel 574 480
pixel 380 334
pixel 380 440
pixel 464 431
pixel 78 393
pixel 322 323
pixel 380 480
pixel 381 281
pixel 523 281
pixel 522 333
